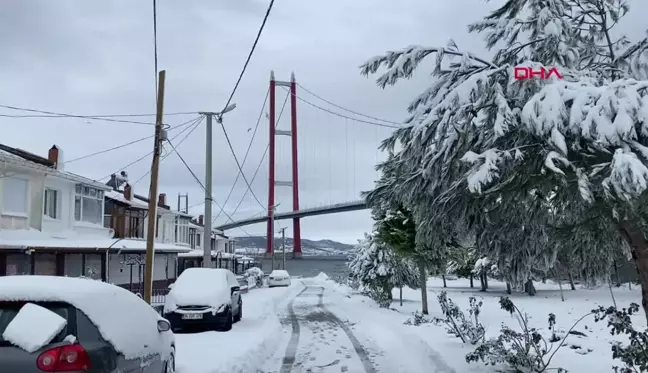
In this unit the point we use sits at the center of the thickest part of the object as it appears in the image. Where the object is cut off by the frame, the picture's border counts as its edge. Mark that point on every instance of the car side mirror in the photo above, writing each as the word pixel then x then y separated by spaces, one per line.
pixel 170 286
pixel 235 288
pixel 163 326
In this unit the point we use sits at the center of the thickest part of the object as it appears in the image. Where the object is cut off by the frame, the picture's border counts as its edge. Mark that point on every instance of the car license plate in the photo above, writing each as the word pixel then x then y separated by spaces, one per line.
pixel 192 316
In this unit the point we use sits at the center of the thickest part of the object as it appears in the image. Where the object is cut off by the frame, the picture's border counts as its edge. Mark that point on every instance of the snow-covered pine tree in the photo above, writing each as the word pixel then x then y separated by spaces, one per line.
pixel 397 229
pixel 581 139
pixel 372 265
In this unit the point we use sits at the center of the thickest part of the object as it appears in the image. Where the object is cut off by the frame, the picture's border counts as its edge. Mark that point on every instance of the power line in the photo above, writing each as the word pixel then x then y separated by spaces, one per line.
pixel 155 50
pixel 345 109
pixel 179 143
pixel 229 100
pixel 247 153
pixel 92 116
pixel 342 115
pixel 194 123
pixel 265 153
pixel 249 57
pixel 175 150
pixel 126 144
pixel 66 115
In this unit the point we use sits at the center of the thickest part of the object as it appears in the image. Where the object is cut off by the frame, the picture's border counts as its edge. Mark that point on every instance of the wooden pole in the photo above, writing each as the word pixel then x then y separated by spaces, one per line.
pixel 153 191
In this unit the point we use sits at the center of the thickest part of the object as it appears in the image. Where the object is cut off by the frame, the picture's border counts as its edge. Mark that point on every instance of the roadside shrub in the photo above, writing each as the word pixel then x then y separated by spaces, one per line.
pixel 417 320
pixel 254 274
pixel 635 355
pixel 469 330
pixel 521 351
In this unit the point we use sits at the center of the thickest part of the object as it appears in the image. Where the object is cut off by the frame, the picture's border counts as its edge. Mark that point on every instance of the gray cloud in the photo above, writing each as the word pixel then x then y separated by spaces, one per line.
pixel 96 57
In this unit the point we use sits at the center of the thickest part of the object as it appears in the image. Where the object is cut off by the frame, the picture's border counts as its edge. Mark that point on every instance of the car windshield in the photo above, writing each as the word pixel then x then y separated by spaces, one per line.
pixel 9 310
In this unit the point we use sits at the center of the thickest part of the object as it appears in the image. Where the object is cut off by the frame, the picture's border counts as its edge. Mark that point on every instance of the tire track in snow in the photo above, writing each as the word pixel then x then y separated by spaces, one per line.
pixel 291 350
pixel 357 346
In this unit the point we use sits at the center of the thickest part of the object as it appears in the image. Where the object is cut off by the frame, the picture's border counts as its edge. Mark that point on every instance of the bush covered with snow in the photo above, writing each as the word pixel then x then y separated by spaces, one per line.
pixel 526 350
pixel 254 275
pixel 469 330
pixel 635 355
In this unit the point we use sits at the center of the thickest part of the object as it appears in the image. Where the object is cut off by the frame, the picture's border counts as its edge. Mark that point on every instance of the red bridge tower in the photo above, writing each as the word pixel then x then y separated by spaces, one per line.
pixel 294 183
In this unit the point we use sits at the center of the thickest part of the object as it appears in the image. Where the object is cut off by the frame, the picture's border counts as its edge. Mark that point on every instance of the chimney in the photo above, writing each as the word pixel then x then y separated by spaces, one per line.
pixel 55 155
pixel 201 220
pixel 128 191
pixel 162 199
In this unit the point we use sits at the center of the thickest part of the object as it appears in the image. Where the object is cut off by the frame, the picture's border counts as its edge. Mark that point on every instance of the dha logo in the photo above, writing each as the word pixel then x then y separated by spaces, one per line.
pixel 526 73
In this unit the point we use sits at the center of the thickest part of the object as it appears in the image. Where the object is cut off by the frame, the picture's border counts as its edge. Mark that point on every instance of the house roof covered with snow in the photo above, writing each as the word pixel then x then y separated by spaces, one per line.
pixel 33 239
pixel 118 196
pixel 22 158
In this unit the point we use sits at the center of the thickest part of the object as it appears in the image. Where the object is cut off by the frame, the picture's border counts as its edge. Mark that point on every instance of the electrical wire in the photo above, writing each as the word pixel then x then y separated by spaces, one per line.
pixel 342 115
pixel 175 150
pixel 247 153
pixel 229 100
pixel 67 115
pixel 155 49
pixel 345 109
pixel 96 116
pixel 194 123
pixel 126 144
pixel 265 153
pixel 249 57
pixel 197 123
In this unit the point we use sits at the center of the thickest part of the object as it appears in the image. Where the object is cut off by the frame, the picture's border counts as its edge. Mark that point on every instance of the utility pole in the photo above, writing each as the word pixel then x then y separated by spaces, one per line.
pixel 208 195
pixel 271 238
pixel 160 135
pixel 283 248
pixel 207 224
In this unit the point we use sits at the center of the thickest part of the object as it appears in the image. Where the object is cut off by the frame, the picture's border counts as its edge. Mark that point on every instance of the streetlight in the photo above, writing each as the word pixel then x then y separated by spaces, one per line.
pixel 208 181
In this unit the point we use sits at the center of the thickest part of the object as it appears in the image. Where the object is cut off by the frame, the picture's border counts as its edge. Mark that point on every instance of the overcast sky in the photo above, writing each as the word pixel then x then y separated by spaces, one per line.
pixel 96 57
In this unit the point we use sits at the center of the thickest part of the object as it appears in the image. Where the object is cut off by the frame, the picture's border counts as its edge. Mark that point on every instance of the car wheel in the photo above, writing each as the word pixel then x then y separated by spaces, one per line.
pixel 169 366
pixel 239 314
pixel 230 320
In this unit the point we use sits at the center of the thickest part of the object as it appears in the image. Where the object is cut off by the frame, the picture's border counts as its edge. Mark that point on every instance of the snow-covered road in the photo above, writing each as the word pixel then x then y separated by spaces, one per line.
pixel 309 327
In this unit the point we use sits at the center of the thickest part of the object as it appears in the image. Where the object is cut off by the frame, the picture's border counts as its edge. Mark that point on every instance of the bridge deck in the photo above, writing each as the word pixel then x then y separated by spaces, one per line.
pixel 324 210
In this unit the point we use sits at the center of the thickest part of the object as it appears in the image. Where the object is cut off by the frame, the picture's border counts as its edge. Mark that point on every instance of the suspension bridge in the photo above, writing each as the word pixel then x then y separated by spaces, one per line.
pixel 323 151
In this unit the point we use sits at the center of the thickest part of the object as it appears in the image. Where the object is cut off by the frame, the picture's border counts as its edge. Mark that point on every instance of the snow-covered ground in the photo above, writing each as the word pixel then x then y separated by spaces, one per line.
pixel 317 325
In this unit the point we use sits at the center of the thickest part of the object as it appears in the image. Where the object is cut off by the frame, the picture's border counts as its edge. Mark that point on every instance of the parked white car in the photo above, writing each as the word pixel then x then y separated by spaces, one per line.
pixel 279 277
pixel 204 297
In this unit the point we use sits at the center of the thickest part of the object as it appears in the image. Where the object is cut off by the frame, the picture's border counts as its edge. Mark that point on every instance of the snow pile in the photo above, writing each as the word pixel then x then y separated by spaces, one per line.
pixel 321 277
pixel 122 318
pixel 199 287
pixel 33 327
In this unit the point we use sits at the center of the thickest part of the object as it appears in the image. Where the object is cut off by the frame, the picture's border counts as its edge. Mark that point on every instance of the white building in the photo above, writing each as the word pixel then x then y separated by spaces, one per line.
pixel 42 208
pixel 54 222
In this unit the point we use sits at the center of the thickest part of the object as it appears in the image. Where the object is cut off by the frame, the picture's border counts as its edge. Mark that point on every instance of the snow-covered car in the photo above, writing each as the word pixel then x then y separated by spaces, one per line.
pixel 65 324
pixel 204 297
pixel 278 277
pixel 254 275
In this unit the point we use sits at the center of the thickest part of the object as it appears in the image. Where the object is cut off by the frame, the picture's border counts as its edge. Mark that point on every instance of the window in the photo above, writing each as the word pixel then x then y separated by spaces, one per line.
pixel 182 231
pixel 18 264
pixel 198 240
pixel 88 204
pixel 15 195
pixel 50 203
pixel 44 264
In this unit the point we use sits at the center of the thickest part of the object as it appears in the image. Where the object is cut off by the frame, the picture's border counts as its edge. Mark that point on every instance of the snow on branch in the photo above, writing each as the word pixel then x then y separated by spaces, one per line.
pixel 401 64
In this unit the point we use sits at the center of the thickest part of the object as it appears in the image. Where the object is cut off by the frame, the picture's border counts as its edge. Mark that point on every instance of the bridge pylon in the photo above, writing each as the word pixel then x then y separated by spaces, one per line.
pixel 272 182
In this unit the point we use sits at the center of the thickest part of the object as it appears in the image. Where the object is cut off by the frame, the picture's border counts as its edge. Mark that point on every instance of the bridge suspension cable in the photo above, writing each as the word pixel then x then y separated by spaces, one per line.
pixel 342 115
pixel 345 109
